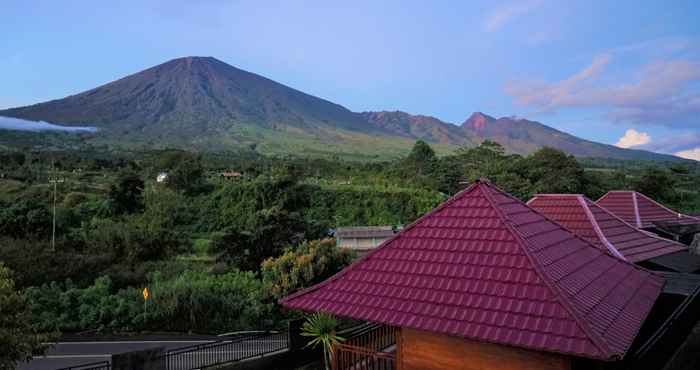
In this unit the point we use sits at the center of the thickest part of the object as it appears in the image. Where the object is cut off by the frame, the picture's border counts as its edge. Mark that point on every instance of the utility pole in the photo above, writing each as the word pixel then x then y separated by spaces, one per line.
pixel 55 180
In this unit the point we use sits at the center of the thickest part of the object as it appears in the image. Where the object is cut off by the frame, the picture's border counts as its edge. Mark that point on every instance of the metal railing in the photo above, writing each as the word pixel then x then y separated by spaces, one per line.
pixel 102 365
pixel 372 348
pixel 355 358
pixel 375 338
pixel 206 355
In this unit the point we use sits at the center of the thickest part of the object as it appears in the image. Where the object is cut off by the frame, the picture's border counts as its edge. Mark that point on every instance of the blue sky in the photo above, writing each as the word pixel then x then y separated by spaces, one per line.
pixel 601 70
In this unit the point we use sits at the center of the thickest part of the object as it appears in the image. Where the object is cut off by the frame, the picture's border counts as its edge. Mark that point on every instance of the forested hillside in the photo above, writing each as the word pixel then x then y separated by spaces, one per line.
pixel 217 252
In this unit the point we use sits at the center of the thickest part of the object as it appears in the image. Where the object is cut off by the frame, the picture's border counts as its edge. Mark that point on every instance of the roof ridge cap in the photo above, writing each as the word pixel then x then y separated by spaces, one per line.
pixel 593 337
pixel 647 233
pixel 380 246
pixel 637 217
pixel 598 230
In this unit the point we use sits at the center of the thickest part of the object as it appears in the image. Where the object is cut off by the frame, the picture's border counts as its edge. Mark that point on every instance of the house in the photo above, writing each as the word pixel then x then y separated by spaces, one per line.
pixel 230 174
pixel 645 213
pixel 486 282
pixel 608 232
pixel 162 177
pixel 363 238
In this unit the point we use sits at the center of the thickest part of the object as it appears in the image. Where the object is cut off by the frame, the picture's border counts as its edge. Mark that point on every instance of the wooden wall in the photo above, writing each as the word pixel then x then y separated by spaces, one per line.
pixel 427 351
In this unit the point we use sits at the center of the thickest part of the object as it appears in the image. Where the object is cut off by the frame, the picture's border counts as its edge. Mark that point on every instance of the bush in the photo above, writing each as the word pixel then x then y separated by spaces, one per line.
pixel 309 264
pixel 190 302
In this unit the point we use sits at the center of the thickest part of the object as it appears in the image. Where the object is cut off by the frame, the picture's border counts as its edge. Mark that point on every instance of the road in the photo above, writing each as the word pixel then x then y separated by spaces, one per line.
pixel 64 354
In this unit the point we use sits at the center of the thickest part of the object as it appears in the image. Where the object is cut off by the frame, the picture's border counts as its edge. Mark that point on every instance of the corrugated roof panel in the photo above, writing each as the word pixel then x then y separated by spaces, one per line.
pixel 485 266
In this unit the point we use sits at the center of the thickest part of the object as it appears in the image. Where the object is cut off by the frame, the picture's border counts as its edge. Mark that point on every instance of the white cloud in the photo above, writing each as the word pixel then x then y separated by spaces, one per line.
pixel 690 154
pixel 662 93
pixel 633 138
pixel 500 16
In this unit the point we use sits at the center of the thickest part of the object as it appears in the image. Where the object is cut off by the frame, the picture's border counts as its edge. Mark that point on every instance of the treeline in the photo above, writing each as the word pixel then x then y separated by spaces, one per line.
pixel 217 253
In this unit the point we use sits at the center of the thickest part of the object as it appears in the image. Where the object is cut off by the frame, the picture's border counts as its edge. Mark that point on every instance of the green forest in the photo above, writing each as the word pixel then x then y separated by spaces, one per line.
pixel 216 252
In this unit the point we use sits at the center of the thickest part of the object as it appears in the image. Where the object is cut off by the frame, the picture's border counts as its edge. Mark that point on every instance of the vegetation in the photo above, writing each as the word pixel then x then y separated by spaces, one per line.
pixel 19 339
pixel 320 327
pixel 217 253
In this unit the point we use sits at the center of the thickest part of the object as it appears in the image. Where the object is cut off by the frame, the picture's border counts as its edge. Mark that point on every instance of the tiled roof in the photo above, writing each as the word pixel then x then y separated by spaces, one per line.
pixel 640 210
pixel 487 267
pixel 605 230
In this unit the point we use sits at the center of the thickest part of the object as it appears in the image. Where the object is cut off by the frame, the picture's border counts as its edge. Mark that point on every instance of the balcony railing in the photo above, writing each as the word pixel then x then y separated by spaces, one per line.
pixel 372 349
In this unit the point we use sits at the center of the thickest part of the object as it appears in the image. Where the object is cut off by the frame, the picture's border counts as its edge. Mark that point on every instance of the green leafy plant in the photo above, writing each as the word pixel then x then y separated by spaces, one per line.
pixel 321 328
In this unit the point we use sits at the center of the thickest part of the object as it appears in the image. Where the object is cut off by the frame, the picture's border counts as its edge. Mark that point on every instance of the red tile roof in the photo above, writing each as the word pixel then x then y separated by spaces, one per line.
pixel 487 267
pixel 605 230
pixel 640 210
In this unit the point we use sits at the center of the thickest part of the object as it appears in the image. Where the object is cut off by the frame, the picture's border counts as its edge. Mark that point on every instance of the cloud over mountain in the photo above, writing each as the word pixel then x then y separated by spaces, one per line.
pixel 661 93
pixel 633 138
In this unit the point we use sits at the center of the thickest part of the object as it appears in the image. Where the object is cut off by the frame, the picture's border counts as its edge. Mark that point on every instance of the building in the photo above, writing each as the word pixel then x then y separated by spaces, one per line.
pixel 363 238
pixel 162 177
pixel 230 175
pixel 486 282
pixel 608 232
pixel 646 213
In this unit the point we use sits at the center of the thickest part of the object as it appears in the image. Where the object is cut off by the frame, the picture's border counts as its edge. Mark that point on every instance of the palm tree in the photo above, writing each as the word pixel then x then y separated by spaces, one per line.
pixel 321 327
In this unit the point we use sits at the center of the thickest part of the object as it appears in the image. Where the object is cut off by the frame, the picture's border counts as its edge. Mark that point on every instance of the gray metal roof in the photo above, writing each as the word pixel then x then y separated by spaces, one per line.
pixel 679 261
pixel 365 232
pixel 680 283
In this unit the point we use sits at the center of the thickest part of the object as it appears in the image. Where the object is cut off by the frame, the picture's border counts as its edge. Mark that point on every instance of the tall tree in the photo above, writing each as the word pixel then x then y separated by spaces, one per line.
pixel 126 193
pixel 18 339
pixel 421 158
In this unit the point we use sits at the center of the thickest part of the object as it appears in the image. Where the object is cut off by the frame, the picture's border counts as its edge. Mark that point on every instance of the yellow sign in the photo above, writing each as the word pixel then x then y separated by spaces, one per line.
pixel 145 294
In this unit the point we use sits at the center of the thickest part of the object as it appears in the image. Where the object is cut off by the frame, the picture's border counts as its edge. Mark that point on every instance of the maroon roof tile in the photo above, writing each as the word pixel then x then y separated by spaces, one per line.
pixel 487 267
pixel 641 211
pixel 602 228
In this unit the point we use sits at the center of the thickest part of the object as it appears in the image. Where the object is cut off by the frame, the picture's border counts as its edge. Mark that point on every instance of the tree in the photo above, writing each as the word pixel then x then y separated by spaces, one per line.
pixel 126 193
pixel 552 171
pixel 655 183
pixel 272 230
pixel 185 171
pixel 18 339
pixel 421 158
pixel 25 219
pixel 310 263
pixel 321 328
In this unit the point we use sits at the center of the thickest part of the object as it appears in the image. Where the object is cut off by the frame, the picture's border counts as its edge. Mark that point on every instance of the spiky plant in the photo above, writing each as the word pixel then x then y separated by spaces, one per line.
pixel 321 328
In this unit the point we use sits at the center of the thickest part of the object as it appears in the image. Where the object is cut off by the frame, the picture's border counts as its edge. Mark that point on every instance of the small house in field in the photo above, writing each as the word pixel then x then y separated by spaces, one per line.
pixel 162 177
pixel 363 238
pixel 230 175
pixel 486 282
pixel 648 214
pixel 608 232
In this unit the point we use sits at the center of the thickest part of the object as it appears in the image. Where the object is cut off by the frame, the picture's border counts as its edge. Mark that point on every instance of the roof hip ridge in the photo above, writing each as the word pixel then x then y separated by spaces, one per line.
pixel 598 230
pixel 593 336
pixel 647 233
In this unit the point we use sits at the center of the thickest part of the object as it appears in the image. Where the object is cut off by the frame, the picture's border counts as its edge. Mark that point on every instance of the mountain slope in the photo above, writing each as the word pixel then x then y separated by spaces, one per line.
pixel 524 136
pixel 427 128
pixel 205 104
pixel 194 90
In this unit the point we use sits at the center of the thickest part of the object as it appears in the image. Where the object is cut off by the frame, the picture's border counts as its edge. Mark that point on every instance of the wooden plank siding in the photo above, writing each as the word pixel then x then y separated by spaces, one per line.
pixel 420 350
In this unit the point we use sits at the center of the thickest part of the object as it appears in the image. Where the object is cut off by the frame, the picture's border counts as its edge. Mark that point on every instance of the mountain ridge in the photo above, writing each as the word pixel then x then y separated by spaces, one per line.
pixel 204 103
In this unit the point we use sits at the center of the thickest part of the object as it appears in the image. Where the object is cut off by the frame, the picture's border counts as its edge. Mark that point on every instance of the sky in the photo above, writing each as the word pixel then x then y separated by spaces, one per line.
pixel 625 73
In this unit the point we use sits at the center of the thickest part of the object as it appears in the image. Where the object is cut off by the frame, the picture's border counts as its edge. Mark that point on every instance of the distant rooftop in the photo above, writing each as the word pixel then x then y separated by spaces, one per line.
pixel 365 232
pixel 640 210
pixel 602 228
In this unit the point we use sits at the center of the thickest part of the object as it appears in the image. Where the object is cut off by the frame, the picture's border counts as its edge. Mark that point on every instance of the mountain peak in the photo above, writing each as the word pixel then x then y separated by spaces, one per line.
pixel 478 121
